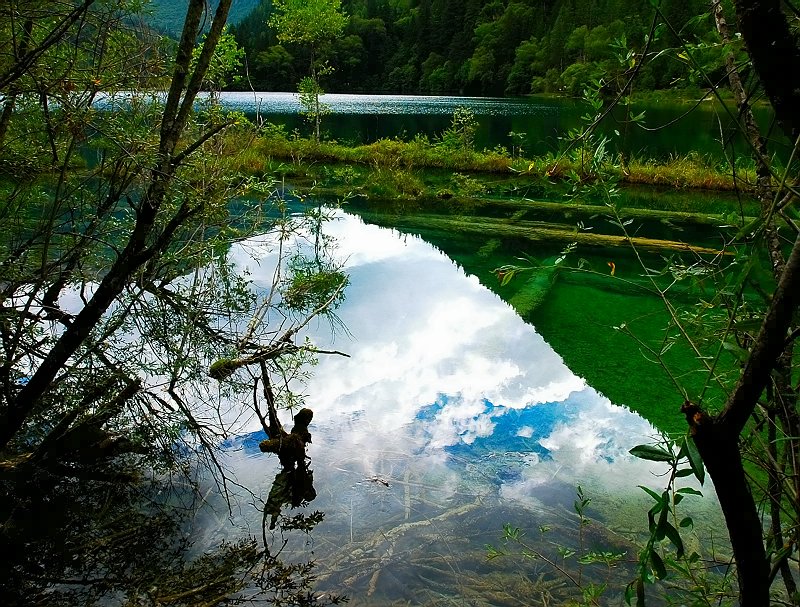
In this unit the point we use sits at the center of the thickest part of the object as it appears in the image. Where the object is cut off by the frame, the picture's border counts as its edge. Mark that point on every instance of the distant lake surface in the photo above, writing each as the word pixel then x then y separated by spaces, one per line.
pixel 668 128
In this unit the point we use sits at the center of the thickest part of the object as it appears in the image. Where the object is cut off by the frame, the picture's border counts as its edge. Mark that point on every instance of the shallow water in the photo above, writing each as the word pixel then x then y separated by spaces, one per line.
pixel 450 417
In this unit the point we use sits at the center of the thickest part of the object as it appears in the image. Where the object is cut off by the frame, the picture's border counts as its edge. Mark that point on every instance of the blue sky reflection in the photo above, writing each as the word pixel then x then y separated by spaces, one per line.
pixel 451 417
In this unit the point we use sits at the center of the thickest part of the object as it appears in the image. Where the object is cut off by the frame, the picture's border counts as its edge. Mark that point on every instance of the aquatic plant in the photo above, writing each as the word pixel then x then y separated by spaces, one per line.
pixel 582 575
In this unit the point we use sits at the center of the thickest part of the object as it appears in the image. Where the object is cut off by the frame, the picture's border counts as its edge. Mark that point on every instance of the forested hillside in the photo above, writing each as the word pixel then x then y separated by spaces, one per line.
pixel 487 47
pixel 167 15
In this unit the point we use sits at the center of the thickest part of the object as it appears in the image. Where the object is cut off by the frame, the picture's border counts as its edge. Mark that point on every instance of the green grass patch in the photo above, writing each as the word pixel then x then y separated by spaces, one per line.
pixel 692 171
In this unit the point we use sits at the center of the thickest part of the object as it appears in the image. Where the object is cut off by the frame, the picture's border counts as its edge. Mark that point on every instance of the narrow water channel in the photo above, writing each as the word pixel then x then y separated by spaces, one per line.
pixel 450 418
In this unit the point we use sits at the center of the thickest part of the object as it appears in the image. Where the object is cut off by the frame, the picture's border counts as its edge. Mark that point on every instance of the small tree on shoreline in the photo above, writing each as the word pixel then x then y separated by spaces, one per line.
pixel 311 23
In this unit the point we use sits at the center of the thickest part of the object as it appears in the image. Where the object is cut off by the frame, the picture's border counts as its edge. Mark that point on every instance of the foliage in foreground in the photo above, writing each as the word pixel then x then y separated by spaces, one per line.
pixel 117 294
pixel 743 418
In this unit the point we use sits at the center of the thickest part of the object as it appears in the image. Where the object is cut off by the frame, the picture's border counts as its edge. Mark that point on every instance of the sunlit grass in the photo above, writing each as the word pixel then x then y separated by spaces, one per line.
pixel 395 158
pixel 691 171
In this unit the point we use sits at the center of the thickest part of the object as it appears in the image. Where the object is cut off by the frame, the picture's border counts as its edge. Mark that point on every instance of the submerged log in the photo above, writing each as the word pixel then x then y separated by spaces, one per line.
pixel 539 232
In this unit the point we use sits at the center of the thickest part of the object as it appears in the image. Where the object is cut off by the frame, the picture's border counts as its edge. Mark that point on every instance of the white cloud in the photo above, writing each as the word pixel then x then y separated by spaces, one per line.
pixel 422 333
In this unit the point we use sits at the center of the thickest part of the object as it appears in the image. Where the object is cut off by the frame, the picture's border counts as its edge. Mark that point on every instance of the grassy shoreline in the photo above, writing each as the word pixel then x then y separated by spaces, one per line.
pixel 418 174
pixel 303 160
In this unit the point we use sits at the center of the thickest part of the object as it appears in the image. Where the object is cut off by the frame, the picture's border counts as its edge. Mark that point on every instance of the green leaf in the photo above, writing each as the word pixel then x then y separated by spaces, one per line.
pixel 512 533
pixel 651 493
pixel 652 453
pixel 750 228
pixel 658 564
pixel 507 277
pixel 631 591
pixel 674 536
pixel 695 461
pixel 690 491
pixel 735 349
pixel 687 522
pixel 748 325
pixel 661 527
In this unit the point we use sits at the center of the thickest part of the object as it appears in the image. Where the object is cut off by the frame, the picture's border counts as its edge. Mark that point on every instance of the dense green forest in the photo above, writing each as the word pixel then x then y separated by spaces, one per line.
pixel 489 47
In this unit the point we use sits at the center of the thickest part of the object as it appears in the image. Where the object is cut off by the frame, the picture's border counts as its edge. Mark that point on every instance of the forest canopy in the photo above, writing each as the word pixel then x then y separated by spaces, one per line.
pixel 498 47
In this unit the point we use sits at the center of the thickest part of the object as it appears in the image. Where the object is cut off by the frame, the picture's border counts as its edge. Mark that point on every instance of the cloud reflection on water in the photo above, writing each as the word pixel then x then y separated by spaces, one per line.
pixel 439 364
pixel 451 417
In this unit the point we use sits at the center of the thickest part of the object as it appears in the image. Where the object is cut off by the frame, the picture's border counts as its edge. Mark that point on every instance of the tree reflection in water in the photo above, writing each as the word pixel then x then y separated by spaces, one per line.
pixel 294 484
pixel 294 488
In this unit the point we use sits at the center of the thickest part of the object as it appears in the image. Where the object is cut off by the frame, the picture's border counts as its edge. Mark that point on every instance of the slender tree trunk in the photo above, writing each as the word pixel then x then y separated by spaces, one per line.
pixel 5 117
pixel 745 111
pixel 782 391
pixel 315 80
pixel 775 492
pixel 719 449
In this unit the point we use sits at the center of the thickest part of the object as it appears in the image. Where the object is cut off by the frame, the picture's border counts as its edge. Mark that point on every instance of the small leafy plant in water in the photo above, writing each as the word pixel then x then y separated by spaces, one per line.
pixel 567 562
pixel 460 136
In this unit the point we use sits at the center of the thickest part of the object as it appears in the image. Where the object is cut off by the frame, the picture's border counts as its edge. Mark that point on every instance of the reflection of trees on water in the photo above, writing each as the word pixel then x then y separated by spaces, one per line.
pixel 293 486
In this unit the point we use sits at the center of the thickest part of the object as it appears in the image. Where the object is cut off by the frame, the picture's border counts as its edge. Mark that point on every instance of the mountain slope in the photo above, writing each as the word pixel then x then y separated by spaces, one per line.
pixel 167 15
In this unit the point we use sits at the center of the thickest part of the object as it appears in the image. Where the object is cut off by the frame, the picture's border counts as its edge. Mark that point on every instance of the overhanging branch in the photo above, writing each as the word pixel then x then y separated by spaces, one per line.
pixel 768 346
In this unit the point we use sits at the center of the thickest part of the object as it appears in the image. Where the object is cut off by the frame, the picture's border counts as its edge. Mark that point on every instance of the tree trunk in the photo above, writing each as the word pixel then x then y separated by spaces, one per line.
pixel 775 56
pixel 719 449
pixel 782 392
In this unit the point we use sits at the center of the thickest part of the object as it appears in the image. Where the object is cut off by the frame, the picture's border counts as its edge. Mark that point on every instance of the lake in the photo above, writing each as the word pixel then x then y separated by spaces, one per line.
pixel 451 417
pixel 669 128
